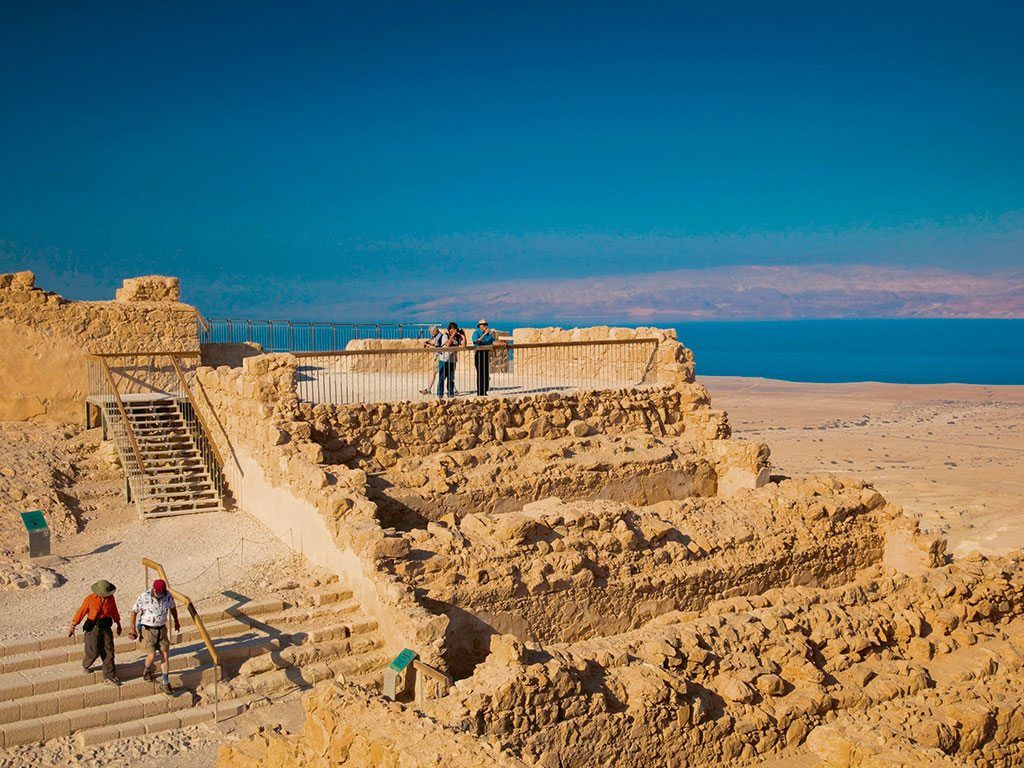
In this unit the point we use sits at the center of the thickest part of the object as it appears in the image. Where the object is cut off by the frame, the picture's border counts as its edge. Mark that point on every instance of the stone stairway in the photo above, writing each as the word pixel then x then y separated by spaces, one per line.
pixel 178 478
pixel 44 693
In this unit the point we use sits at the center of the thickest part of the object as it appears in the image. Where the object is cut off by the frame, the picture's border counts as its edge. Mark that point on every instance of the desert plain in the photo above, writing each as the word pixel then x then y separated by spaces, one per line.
pixel 951 454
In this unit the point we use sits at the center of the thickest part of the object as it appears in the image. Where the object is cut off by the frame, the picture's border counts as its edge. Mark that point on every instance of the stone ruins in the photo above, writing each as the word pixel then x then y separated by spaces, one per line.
pixel 607 576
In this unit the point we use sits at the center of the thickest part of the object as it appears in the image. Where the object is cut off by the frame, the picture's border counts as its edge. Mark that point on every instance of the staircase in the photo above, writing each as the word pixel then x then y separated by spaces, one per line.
pixel 179 476
pixel 267 647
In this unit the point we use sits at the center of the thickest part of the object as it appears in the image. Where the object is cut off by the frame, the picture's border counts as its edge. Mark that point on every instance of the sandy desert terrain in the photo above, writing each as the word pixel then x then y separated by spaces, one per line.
pixel 951 454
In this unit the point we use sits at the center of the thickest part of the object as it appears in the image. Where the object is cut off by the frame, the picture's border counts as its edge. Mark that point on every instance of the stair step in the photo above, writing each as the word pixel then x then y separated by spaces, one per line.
pixel 218 627
pixel 113 714
pixel 213 614
pixel 181 497
pixel 160 723
pixel 163 511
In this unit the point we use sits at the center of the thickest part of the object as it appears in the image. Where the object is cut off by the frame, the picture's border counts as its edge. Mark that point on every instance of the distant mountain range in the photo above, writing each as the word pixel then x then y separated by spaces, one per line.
pixel 747 292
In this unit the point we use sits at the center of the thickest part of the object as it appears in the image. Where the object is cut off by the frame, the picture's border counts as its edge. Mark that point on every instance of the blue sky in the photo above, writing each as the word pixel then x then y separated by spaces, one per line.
pixel 377 146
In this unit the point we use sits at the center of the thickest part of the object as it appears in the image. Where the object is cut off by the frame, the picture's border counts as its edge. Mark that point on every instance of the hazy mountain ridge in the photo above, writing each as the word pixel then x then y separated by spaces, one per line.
pixel 752 292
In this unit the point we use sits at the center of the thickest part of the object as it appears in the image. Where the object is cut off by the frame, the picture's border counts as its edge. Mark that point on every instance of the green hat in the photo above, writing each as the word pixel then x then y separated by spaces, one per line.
pixel 103 588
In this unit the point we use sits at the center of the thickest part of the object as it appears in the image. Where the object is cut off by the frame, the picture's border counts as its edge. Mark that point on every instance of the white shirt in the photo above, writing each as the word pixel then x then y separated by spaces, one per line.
pixel 442 341
pixel 151 610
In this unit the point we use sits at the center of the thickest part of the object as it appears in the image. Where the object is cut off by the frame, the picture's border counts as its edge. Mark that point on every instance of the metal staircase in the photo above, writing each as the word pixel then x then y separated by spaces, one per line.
pixel 171 465
pixel 177 478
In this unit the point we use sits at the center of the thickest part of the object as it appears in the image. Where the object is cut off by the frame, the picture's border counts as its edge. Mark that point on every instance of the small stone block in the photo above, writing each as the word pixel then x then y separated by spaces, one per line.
pixel 68 701
pixel 56 726
pixel 128 730
pixel 107 694
pixel 123 711
pixel 95 736
pixel 162 723
pixel 196 715
pixel 25 732
pixel 86 719
pixel 17 688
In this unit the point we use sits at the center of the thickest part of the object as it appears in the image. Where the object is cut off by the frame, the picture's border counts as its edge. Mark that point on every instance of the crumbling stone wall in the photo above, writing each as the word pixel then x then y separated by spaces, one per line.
pixel 275 471
pixel 558 572
pixel 377 435
pixel 43 337
pixel 419 362
pixel 347 728
pixel 755 676
pixel 668 363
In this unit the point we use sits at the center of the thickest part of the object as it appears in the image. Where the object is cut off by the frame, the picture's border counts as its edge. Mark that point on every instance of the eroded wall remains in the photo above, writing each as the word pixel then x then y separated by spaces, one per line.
pixel 44 336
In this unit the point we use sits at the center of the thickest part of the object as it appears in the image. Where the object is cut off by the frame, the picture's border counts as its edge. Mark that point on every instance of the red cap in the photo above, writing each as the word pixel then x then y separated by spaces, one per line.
pixel 159 585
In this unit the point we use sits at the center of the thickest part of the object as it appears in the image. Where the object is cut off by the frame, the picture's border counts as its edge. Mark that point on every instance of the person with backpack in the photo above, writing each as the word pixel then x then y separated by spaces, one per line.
pixel 446 360
pixel 99 610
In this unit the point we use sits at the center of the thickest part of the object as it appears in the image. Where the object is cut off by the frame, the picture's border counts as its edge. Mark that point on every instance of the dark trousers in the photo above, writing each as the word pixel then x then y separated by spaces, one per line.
pixel 446 372
pixel 99 643
pixel 482 360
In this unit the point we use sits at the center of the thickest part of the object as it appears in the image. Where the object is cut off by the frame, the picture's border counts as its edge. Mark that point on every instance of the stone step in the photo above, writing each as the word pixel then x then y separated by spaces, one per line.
pixel 122 645
pixel 185 659
pixel 174 511
pixel 164 722
pixel 110 713
pixel 211 614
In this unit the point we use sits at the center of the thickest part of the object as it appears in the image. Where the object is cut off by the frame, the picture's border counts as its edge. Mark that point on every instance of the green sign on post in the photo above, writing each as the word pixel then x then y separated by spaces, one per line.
pixel 396 676
pixel 38 533
pixel 34 520
pixel 403 660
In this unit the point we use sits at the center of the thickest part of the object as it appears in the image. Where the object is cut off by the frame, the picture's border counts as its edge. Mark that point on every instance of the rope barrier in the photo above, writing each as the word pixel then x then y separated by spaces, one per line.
pixel 239 546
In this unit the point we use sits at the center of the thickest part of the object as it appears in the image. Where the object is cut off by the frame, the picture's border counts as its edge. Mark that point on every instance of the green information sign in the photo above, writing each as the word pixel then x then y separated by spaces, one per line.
pixel 34 521
pixel 403 660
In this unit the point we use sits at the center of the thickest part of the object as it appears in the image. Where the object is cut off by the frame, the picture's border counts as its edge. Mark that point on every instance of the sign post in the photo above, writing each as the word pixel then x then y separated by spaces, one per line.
pixel 38 534
pixel 398 674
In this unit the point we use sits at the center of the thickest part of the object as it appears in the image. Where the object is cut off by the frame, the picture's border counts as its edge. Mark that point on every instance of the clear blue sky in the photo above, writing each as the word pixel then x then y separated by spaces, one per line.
pixel 361 143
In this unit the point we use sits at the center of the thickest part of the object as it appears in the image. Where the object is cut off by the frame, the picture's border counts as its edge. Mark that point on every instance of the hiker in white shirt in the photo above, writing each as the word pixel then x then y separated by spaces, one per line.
pixel 149 624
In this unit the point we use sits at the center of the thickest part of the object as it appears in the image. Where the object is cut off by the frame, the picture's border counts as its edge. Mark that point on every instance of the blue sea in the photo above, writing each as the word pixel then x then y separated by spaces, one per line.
pixel 889 350
pixel 900 351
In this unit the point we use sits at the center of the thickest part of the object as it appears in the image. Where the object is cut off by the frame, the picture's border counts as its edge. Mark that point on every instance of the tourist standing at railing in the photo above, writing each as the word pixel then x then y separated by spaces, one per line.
pixel 483 337
pixel 446 362
pixel 100 613
pixel 458 340
pixel 435 332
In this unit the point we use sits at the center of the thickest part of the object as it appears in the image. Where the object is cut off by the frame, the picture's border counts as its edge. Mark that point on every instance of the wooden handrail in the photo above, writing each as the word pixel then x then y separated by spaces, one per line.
pixel 202 320
pixel 199 414
pixel 189 606
pixel 513 347
pixel 124 417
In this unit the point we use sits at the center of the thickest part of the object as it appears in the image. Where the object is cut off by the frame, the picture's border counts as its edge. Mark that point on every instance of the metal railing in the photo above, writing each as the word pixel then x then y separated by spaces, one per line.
pixel 185 600
pixel 115 379
pixel 289 336
pixel 105 393
pixel 397 374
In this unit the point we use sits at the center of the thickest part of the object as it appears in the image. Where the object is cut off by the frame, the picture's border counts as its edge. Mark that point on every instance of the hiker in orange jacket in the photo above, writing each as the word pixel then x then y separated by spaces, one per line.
pixel 100 612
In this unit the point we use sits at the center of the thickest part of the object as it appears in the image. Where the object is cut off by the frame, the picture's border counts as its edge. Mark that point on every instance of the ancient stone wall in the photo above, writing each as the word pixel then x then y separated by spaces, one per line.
pixel 418 362
pixel 557 571
pixel 43 338
pixel 274 470
pixel 376 435
pixel 906 663
pixel 347 728
pixel 666 361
